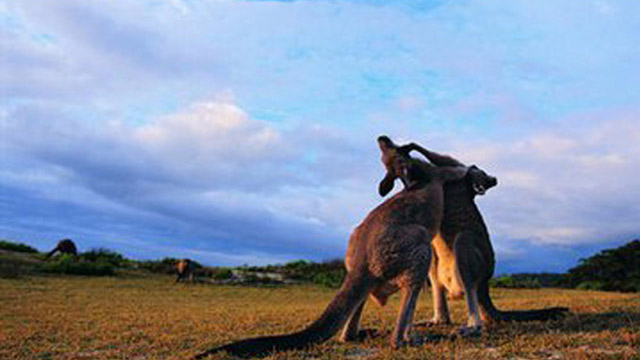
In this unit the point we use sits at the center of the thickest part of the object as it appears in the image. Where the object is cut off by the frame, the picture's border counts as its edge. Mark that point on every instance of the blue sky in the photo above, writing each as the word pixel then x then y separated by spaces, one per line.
pixel 243 132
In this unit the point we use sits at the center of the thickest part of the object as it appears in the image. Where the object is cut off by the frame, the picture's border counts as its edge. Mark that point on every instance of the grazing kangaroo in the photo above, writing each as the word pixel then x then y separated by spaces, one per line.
pixel 186 269
pixel 463 259
pixel 389 251
pixel 65 246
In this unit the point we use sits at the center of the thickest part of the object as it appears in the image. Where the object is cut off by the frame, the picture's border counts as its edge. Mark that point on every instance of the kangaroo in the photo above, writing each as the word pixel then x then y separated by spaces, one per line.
pixel 186 270
pixel 389 251
pixel 463 260
pixel 65 246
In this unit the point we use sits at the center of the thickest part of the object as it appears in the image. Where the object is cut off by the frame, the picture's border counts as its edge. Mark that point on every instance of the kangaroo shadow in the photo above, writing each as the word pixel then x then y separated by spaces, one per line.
pixel 570 323
pixel 597 322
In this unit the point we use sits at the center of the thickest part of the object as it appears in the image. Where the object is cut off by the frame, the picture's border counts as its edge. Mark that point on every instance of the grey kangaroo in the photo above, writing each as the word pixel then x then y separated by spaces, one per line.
pixel 186 270
pixel 389 251
pixel 65 246
pixel 463 260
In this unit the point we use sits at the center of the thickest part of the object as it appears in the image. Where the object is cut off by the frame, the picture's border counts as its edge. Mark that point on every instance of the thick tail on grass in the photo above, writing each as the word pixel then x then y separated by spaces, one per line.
pixel 521 315
pixel 354 290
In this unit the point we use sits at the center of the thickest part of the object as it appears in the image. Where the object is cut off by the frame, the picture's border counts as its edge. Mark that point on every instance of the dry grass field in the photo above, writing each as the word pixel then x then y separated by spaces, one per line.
pixel 152 318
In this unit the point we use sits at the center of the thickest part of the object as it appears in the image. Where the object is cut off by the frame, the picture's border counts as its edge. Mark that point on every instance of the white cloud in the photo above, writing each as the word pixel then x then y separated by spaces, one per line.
pixel 573 186
pixel 216 144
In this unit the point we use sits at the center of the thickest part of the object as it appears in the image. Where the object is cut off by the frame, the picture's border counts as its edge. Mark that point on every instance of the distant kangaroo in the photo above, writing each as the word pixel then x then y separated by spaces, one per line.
pixel 186 270
pixel 389 251
pixel 65 246
pixel 463 259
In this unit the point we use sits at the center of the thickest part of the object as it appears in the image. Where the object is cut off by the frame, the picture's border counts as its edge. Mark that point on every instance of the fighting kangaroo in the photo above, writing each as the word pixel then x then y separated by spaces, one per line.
pixel 463 259
pixel 65 246
pixel 389 251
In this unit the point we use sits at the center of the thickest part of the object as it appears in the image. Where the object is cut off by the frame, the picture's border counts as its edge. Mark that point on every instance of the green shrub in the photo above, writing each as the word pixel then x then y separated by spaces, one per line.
pixel 222 274
pixel 328 272
pixel 332 279
pixel 164 266
pixel 17 247
pixel 102 255
pixel 503 282
pixel 65 264
pixel 590 285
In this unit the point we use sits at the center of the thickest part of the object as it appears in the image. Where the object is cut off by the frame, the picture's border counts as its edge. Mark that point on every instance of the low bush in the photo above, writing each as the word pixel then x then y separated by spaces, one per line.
pixel 503 282
pixel 102 255
pixel 591 285
pixel 332 279
pixel 67 265
pixel 17 247
pixel 164 266
pixel 222 274
pixel 515 282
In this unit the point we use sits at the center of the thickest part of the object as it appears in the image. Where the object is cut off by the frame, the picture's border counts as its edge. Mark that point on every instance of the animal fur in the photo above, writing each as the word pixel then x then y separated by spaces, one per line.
pixel 65 246
pixel 389 251
pixel 463 260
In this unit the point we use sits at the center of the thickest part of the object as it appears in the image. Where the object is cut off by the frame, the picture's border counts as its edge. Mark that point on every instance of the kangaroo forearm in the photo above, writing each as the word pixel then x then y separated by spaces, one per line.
pixel 434 157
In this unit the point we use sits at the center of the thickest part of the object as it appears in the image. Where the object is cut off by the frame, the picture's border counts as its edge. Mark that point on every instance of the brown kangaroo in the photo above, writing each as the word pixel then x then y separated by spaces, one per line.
pixel 65 246
pixel 463 260
pixel 186 270
pixel 389 251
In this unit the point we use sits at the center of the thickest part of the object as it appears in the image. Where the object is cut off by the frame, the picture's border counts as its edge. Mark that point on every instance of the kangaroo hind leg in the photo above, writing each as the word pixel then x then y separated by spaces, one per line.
pixel 440 307
pixel 350 331
pixel 400 335
pixel 469 266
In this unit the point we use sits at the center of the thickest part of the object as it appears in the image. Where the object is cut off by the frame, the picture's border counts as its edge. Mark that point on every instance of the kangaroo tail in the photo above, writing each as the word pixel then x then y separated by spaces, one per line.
pixel 522 315
pixel 354 290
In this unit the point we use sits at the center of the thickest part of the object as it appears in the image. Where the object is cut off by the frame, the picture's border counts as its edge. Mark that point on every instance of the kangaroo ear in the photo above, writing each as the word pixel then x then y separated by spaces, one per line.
pixel 386 185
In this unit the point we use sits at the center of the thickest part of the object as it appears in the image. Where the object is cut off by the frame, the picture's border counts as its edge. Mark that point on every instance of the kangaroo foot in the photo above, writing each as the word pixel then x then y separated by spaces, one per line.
pixel 470 331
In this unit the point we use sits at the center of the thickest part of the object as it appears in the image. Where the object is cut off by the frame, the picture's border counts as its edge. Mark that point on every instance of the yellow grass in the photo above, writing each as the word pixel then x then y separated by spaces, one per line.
pixel 151 318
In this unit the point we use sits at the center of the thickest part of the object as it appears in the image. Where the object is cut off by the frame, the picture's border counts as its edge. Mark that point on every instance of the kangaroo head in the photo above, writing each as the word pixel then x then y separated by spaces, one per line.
pixel 480 181
pixel 399 165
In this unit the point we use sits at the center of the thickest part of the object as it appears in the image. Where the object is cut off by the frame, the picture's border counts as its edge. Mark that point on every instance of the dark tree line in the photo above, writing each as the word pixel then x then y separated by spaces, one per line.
pixel 611 270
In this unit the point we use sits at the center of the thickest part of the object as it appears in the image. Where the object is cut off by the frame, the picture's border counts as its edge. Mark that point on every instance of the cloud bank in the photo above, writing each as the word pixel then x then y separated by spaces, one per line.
pixel 244 132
